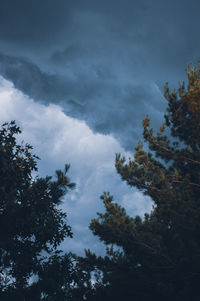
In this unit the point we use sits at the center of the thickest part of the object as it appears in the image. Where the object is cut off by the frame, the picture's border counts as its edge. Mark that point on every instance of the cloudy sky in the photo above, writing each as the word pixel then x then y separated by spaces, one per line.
pixel 79 77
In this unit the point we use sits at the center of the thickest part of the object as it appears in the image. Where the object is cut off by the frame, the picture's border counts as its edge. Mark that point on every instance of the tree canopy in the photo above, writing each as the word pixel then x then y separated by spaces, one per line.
pixel 156 257
pixel 31 224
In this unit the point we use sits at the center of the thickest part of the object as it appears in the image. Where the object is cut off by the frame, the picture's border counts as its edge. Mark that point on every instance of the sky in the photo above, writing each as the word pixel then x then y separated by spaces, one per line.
pixel 80 76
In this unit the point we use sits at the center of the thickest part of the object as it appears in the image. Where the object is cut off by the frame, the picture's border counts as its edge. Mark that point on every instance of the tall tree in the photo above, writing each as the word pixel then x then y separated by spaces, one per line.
pixel 158 256
pixel 31 225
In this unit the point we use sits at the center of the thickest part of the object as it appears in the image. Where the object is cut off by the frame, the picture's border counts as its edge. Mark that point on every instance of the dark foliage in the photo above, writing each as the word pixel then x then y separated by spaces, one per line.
pixel 158 256
pixel 31 225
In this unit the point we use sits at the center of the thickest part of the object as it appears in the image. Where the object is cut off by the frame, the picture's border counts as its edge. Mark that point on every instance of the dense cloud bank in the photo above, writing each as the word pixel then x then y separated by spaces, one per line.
pixel 59 139
pixel 104 62
pixel 108 105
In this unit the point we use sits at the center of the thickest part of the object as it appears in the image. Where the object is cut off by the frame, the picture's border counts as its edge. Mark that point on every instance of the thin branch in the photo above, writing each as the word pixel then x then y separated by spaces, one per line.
pixel 156 252
pixel 169 150
pixel 182 182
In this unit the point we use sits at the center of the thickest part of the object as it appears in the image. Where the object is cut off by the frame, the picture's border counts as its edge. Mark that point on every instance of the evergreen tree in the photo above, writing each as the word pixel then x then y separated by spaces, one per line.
pixel 31 225
pixel 158 256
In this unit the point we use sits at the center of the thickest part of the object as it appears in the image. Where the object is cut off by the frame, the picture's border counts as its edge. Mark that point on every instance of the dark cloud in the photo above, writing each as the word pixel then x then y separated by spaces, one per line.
pixel 72 53
pixel 106 104
pixel 102 61
pixel 32 22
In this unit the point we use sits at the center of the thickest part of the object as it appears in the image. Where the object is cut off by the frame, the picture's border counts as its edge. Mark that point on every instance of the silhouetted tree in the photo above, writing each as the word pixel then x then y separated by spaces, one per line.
pixel 158 256
pixel 31 225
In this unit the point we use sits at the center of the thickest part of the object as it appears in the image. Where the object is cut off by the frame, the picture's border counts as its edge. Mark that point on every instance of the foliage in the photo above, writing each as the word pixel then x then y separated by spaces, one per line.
pixel 158 257
pixel 31 224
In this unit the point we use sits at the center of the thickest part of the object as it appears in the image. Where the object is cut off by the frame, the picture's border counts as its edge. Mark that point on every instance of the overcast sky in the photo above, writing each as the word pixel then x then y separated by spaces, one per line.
pixel 79 77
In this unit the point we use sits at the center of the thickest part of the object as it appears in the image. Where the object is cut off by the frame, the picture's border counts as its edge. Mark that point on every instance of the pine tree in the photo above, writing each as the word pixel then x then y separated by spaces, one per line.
pixel 158 256
pixel 31 225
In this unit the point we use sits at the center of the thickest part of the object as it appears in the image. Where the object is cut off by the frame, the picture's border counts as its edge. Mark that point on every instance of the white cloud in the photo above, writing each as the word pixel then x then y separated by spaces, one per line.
pixel 136 203
pixel 59 139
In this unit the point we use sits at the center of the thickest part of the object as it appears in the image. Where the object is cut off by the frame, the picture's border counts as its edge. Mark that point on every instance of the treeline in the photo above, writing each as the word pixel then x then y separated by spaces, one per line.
pixel 155 257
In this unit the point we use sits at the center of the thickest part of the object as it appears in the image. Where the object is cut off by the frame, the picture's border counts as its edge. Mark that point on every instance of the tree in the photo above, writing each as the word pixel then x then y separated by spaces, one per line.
pixel 31 225
pixel 158 256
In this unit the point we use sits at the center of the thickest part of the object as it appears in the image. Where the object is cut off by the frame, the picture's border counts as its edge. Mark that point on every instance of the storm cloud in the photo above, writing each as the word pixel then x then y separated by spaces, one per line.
pixel 104 62
pixel 108 105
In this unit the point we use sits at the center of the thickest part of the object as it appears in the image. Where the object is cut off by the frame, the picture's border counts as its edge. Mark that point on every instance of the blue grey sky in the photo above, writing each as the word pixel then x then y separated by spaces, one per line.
pixel 79 77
